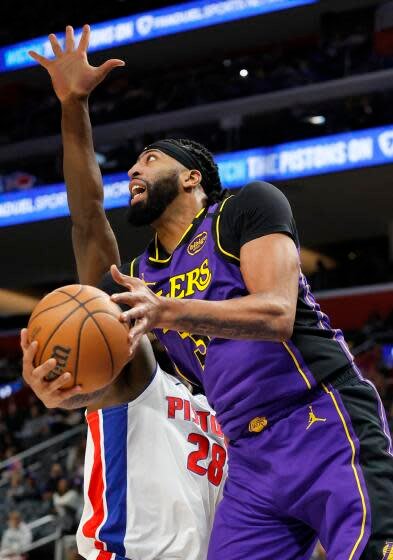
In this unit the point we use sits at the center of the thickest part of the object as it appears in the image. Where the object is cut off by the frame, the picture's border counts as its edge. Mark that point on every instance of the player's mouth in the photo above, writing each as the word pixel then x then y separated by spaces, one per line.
pixel 138 191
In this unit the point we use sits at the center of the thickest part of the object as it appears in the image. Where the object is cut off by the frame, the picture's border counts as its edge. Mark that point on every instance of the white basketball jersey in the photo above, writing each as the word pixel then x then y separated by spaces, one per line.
pixel 154 472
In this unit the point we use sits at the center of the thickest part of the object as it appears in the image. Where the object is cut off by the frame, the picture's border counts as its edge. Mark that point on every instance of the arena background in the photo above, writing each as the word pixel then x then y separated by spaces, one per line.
pixel 297 92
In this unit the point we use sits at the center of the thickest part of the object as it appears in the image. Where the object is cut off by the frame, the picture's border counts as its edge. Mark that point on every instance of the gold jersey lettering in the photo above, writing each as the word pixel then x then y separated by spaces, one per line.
pixel 205 277
pixel 176 288
pixel 186 284
pixel 192 280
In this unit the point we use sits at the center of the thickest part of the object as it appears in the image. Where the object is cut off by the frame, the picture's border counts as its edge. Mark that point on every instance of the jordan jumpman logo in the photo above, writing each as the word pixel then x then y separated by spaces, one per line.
pixel 312 418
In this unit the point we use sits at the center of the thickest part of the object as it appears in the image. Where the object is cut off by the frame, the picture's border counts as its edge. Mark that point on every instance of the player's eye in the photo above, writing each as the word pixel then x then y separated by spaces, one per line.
pixel 151 157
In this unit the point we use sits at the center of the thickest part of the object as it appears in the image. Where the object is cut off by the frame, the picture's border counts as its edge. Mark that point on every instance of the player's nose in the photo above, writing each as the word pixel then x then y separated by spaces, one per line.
pixel 134 171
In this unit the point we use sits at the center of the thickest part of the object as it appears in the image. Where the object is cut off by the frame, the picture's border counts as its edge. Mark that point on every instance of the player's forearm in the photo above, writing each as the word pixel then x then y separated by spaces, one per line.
pixel 94 243
pixel 81 171
pixel 95 250
pixel 256 316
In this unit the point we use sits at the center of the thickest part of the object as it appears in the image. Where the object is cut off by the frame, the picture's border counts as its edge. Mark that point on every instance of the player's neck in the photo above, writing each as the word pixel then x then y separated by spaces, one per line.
pixel 176 219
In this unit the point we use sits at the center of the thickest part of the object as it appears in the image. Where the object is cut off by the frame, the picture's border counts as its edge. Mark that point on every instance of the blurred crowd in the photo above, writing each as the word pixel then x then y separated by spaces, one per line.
pixel 46 483
pixel 358 263
pixel 22 428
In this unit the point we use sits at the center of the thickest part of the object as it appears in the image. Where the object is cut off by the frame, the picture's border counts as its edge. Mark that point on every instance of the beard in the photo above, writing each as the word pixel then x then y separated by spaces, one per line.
pixel 159 196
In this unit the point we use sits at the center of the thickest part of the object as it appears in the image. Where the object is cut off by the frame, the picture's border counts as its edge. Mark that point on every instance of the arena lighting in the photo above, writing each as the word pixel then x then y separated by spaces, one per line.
pixel 318 120
pixel 243 72
pixel 318 156
pixel 8 389
pixel 150 25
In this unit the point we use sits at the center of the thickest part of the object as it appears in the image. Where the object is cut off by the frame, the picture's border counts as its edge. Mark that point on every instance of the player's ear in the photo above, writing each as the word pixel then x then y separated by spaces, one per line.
pixel 191 178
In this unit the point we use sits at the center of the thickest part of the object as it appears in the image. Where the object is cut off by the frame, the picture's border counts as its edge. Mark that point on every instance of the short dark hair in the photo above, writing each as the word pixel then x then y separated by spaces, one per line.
pixel 211 182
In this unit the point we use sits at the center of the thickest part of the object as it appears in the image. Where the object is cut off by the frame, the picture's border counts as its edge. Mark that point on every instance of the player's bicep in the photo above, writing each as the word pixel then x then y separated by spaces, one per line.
pixel 270 265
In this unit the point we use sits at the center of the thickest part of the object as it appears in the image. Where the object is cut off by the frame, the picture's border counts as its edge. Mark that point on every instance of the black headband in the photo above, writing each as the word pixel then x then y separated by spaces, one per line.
pixel 179 153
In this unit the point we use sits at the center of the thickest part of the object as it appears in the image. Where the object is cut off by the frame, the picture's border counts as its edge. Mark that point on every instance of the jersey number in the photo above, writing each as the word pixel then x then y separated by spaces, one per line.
pixel 215 468
pixel 201 343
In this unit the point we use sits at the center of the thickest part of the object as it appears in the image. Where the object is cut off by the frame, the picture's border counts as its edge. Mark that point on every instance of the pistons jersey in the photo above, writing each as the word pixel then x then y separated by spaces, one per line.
pixel 154 472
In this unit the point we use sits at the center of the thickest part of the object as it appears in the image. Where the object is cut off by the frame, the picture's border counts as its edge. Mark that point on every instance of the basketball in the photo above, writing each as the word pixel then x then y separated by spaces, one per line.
pixel 79 326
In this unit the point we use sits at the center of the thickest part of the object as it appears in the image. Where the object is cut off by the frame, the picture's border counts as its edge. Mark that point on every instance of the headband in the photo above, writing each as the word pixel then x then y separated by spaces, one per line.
pixel 179 153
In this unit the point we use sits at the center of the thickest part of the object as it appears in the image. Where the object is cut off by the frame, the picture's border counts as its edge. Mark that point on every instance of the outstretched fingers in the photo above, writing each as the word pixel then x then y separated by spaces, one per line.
pixel 69 39
pixel 39 58
pixel 109 65
pixel 56 47
pixel 85 39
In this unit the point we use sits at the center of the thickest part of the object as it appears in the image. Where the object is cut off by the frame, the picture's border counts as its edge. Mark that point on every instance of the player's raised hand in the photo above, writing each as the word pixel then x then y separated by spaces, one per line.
pixel 146 307
pixel 49 392
pixel 72 75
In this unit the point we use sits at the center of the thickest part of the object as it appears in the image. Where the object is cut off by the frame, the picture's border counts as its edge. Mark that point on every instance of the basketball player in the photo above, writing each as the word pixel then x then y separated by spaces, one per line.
pixel 155 460
pixel 310 452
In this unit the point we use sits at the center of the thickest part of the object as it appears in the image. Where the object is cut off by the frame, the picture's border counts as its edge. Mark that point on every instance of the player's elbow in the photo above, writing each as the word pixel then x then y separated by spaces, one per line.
pixel 285 330
pixel 285 321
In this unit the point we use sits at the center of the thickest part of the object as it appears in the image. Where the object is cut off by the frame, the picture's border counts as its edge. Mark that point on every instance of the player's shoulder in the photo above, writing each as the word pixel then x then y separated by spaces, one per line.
pixel 253 196
pixel 172 382
pixel 260 191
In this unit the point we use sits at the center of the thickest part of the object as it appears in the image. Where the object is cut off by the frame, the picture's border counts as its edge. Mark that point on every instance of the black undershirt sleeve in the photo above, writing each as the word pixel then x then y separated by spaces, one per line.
pixel 108 285
pixel 258 209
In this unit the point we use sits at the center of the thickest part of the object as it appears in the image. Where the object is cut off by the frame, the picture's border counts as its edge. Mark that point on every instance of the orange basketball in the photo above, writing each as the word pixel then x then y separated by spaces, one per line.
pixel 79 326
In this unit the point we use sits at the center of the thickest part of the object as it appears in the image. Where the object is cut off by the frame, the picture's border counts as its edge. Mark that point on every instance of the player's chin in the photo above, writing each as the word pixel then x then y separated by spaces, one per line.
pixel 138 214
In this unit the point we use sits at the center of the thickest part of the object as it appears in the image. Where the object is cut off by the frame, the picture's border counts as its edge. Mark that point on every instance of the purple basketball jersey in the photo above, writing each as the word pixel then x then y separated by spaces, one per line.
pixel 244 380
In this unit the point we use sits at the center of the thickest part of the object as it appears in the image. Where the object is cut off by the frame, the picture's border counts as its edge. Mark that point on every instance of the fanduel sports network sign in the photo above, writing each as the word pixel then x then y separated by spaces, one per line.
pixel 328 154
pixel 150 25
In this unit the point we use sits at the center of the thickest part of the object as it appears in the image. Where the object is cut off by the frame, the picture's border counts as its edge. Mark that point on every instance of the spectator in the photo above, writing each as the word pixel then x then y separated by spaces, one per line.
pixel 17 490
pixel 36 427
pixel 16 538
pixel 14 418
pixel 55 474
pixel 75 462
pixel 15 463
pixel 57 421
pixel 32 491
pixel 67 503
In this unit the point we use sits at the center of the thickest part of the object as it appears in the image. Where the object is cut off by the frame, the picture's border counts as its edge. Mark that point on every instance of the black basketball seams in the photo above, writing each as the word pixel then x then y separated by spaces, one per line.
pixel 70 297
pixel 90 315
pixel 64 319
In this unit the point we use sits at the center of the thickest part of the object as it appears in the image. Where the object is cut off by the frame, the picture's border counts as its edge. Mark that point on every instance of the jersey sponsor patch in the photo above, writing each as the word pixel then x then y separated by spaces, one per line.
pixel 197 243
